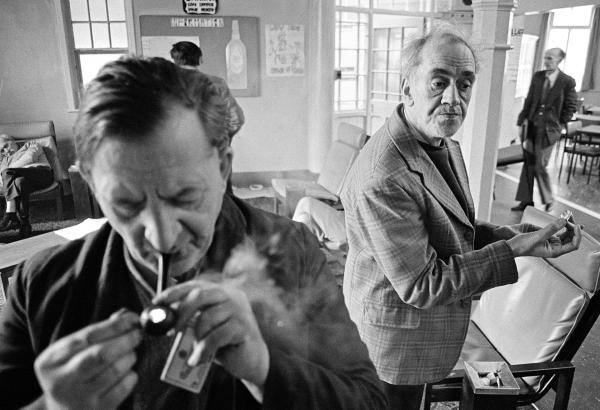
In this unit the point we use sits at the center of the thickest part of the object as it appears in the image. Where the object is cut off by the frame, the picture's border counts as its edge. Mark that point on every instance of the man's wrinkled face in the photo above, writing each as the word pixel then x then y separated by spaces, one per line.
pixel 8 146
pixel 438 91
pixel 551 60
pixel 163 193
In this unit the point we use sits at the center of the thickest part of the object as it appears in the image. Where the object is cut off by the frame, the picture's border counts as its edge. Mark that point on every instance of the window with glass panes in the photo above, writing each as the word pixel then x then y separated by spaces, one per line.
pixel 387 46
pixel 99 34
pixel 351 43
pixel 570 30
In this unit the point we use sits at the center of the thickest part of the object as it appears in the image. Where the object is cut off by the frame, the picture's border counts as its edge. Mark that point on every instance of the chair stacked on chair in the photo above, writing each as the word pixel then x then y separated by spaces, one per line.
pixel 338 160
pixel 536 324
pixel 43 133
pixel 581 146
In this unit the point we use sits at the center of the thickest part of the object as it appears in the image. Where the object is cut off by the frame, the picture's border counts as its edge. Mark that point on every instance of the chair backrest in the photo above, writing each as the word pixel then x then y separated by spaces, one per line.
pixel 573 127
pixel 548 312
pixel 338 161
pixel 43 133
pixel 351 135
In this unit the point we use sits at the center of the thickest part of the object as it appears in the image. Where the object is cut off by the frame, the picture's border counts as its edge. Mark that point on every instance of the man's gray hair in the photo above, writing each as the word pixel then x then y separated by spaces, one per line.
pixel 411 54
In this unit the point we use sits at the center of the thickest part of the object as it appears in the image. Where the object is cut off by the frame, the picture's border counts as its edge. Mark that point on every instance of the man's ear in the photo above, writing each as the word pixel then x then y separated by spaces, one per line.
pixel 405 91
pixel 225 159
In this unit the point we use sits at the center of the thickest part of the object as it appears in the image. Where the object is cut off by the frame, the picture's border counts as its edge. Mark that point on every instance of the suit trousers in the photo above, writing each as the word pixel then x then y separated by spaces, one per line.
pixel 535 166
pixel 20 182
pixel 404 397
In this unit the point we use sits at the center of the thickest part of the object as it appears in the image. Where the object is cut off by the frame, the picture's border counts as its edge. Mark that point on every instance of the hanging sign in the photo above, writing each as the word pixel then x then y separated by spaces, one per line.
pixel 210 22
pixel 200 6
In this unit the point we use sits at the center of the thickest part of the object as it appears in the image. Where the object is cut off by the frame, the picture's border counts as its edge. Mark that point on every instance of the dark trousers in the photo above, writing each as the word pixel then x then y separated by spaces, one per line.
pixel 20 182
pixel 535 166
pixel 404 397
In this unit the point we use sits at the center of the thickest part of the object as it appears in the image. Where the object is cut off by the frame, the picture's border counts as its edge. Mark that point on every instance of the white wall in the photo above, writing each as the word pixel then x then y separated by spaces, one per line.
pixel 31 74
pixel 275 134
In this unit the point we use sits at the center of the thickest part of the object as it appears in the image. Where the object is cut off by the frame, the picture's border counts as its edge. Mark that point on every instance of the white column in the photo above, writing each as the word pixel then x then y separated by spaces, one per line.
pixel 481 131
pixel 320 65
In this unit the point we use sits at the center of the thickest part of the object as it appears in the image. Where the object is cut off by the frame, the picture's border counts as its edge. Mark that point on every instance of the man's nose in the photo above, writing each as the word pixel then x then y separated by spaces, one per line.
pixel 161 228
pixel 450 95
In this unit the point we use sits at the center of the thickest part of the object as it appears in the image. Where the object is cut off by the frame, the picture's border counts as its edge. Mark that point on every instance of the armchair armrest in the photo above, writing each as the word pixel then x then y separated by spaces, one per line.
pixel 449 389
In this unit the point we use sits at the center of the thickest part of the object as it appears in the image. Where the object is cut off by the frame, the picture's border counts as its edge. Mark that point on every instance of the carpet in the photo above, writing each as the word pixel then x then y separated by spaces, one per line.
pixel 43 219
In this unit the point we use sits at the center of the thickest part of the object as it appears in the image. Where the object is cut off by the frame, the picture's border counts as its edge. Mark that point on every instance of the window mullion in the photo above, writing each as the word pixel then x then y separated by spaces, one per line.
pixel 90 22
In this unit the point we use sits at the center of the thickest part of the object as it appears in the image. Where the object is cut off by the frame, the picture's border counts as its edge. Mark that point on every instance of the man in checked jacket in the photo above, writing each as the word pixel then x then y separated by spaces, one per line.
pixel 416 253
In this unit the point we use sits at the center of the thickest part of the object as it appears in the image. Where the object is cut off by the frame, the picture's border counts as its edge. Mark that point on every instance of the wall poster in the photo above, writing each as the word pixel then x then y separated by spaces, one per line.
pixel 285 49
pixel 230 46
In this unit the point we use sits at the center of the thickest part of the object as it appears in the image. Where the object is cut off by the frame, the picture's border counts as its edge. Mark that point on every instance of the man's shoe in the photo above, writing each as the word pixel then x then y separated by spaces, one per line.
pixel 549 206
pixel 521 206
pixel 9 222
pixel 25 230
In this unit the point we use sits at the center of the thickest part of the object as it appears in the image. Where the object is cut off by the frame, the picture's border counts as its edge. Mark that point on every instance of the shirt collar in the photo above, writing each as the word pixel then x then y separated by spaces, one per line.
pixel 552 77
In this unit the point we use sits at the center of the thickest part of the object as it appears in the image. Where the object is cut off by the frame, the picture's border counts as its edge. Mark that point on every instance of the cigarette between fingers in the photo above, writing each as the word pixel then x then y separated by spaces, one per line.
pixel 197 350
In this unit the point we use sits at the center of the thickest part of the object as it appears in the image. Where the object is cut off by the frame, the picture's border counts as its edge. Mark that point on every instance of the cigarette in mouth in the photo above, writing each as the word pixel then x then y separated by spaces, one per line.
pixel 163 272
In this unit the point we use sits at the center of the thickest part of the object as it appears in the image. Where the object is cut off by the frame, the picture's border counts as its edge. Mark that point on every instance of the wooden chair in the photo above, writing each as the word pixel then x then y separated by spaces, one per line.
pixel 536 325
pixel 43 133
pixel 339 159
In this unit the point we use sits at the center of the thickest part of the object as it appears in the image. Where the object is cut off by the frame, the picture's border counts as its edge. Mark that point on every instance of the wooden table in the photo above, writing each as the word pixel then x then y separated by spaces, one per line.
pixel 593 130
pixel 83 200
pixel 588 117
pixel 262 192
pixel 16 252
pixel 593 110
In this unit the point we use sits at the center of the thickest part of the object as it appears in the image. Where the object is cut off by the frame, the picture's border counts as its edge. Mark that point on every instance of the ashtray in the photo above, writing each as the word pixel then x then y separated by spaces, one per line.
pixel 491 378
pixel 255 187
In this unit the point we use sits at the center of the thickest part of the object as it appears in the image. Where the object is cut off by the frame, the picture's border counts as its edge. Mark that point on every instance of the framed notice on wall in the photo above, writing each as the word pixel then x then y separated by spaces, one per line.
pixel 230 46
pixel 285 49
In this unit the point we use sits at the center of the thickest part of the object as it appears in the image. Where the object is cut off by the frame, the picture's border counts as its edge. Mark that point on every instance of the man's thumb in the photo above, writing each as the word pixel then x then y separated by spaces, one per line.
pixel 550 229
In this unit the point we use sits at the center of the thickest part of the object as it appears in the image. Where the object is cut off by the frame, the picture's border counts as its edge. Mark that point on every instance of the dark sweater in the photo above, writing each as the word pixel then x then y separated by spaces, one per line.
pixel 317 363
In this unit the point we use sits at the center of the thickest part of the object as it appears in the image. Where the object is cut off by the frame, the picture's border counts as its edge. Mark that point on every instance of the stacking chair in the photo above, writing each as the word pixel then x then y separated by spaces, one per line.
pixel 338 160
pixel 43 133
pixel 580 146
pixel 536 325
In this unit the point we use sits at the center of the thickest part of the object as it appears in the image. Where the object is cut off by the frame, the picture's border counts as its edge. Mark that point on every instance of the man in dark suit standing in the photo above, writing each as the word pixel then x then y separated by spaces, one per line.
pixel 550 103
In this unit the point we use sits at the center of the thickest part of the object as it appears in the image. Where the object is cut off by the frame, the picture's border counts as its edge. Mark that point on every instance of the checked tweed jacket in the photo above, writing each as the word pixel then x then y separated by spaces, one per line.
pixel 415 257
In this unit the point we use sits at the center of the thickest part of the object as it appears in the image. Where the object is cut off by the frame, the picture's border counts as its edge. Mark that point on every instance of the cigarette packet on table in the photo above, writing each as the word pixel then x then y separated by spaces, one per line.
pixel 176 370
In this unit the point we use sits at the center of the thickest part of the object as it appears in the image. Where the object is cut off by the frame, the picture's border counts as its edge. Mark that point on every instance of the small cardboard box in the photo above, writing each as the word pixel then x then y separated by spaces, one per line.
pixel 477 371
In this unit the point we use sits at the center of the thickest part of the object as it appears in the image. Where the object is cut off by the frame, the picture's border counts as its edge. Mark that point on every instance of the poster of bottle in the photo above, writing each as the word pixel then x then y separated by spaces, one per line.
pixel 230 46
pixel 285 49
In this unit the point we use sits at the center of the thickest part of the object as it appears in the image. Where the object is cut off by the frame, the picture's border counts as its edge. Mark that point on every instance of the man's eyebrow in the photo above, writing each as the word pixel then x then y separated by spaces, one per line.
pixel 441 71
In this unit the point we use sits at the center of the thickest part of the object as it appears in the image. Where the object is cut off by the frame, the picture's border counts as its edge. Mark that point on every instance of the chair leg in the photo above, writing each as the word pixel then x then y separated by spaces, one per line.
pixel 562 157
pixel 563 390
pixel 427 397
pixel 569 168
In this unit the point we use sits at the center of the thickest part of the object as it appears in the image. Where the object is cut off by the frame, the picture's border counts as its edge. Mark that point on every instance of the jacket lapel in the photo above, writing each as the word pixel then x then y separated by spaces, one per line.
pixel 419 162
pixel 458 163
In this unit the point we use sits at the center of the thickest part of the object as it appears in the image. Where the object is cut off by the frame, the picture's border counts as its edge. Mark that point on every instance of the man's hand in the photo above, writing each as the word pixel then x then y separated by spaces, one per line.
pixel 91 368
pixel 224 322
pixel 545 242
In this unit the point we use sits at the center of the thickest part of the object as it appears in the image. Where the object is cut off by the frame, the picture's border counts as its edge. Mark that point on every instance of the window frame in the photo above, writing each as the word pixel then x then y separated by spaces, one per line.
pixel 370 11
pixel 570 29
pixel 70 55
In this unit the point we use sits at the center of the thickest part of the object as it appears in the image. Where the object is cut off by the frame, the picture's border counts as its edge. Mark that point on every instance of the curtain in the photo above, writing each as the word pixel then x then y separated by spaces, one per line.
pixel 591 75
pixel 541 46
